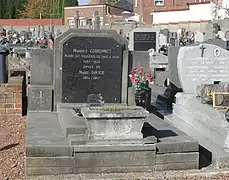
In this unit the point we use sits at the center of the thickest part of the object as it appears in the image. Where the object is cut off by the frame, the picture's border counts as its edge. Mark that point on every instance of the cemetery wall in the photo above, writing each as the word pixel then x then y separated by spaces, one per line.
pixel 194 26
pixel 30 22
pixel 11 97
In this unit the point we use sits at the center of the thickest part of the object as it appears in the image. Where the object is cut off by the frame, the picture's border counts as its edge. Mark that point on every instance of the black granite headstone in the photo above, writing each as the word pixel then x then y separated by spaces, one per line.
pixel 91 65
pixel 143 41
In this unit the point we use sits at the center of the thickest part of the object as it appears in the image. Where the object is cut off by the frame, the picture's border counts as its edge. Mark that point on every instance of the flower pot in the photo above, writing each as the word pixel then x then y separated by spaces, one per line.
pixel 140 99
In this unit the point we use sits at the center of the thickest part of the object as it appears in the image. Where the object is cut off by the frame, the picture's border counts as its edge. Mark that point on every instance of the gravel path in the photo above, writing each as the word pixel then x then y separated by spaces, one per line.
pixel 12 156
pixel 12 148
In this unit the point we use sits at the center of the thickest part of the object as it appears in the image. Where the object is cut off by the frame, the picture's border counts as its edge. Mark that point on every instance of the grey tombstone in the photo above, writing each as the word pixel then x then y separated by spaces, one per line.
pixel 216 41
pixel 162 39
pixel 162 79
pixel 96 20
pixel 75 47
pixel 58 32
pixel 172 66
pixel 33 31
pixel 40 98
pixel 42 31
pixel 199 37
pixel 227 39
pixel 166 34
pixel 42 67
pixel 140 59
pixel 202 64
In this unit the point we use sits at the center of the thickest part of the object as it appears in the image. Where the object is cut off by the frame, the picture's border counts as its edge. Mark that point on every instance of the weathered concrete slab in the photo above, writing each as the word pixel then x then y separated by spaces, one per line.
pixel 177 158
pixel 219 157
pixel 44 137
pixel 38 171
pixel 177 166
pixel 50 161
pixel 203 118
pixel 171 139
pixel 71 123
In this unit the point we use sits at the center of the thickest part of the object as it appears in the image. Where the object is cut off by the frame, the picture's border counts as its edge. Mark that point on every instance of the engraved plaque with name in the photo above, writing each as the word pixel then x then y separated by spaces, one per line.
pixel 143 41
pixel 91 65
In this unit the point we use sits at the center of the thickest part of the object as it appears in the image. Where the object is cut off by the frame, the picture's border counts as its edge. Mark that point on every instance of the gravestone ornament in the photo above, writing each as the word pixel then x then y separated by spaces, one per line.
pixel 194 70
pixel 217 52
pixel 202 50
pixel 89 62
pixel 95 100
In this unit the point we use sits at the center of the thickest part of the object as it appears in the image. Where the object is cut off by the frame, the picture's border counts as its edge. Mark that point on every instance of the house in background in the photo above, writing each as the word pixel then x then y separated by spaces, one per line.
pixel 166 11
pixel 120 11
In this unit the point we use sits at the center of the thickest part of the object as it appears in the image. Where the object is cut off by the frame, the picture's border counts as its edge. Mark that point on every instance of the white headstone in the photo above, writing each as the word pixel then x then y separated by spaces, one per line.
pixel 202 64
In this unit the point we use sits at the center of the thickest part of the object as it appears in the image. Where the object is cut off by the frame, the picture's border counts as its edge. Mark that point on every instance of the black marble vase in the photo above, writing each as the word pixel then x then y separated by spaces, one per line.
pixel 140 99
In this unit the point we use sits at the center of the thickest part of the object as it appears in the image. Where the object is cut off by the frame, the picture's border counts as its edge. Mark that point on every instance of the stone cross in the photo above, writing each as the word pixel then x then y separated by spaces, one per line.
pixel 76 19
pixel 41 101
pixel 96 20
pixel 202 48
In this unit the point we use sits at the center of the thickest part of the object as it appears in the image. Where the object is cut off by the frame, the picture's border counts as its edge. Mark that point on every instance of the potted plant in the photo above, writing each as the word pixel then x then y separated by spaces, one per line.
pixel 140 81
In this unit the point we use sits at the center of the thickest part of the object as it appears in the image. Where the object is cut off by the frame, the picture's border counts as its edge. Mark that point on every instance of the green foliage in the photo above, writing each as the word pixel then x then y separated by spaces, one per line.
pixel 9 9
pixel 13 9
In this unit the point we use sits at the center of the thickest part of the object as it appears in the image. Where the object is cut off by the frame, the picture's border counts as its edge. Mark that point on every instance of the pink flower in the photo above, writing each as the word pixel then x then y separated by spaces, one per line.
pixel 140 73
pixel 150 79
pixel 148 74
pixel 134 70
pixel 136 80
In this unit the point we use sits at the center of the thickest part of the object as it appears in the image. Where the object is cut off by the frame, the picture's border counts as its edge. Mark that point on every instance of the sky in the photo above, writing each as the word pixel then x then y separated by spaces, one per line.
pixel 83 2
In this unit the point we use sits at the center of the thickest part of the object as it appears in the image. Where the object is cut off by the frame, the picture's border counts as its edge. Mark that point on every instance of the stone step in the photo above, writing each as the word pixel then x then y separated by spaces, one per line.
pixel 203 123
pixel 71 124
pixel 220 158
pixel 162 104
pixel 77 139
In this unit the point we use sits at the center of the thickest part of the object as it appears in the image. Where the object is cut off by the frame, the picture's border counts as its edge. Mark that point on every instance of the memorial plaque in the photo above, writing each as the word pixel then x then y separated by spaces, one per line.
pixel 221 100
pixel 91 65
pixel 143 41
pixel 202 65
pixel 40 98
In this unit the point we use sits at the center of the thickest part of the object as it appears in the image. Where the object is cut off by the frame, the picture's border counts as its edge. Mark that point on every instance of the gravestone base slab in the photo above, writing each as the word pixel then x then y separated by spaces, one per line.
pixel 50 151
pixel 204 124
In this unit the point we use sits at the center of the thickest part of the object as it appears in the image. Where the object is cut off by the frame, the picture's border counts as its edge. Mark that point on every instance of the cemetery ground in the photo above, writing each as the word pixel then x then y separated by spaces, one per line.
pixel 12 161
pixel 12 148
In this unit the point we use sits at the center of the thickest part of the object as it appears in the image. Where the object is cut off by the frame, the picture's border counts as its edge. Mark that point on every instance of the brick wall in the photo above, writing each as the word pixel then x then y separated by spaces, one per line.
pixel 12 97
pixel 30 22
